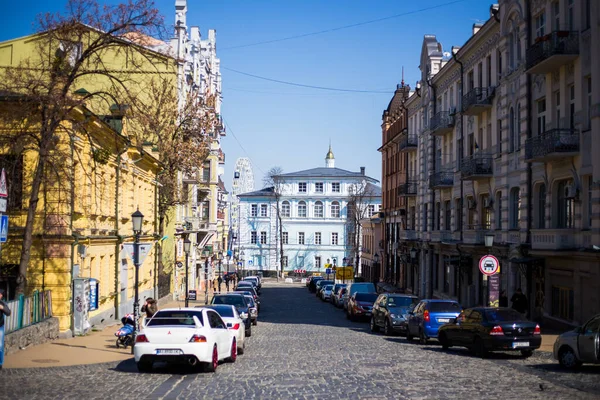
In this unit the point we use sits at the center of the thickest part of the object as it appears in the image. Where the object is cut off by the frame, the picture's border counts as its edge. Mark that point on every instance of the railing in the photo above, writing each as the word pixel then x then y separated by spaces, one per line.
pixel 555 43
pixel 408 141
pixel 26 311
pixel 408 188
pixel 477 165
pixel 408 234
pixel 478 96
pixel 441 121
pixel 551 142
pixel 441 178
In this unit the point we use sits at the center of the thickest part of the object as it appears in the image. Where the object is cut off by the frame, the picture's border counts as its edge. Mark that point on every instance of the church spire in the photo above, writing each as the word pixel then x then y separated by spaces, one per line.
pixel 329 158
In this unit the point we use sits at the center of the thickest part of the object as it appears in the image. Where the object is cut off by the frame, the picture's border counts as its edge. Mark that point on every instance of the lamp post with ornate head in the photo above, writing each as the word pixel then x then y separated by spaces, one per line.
pixel 137 219
pixel 186 248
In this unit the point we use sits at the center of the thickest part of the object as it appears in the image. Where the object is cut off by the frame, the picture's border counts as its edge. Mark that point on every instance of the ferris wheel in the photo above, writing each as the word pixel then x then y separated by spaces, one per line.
pixel 243 176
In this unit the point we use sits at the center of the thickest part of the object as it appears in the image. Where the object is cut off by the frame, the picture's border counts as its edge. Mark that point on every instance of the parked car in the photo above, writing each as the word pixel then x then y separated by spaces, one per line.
pixel 390 312
pixel 258 279
pixel 326 292
pixel 241 304
pixel 312 286
pixel 253 309
pixel 355 287
pixel 335 295
pixel 360 305
pixel 250 293
pixel 427 317
pixel 194 336
pixel 321 284
pixel 254 281
pixel 245 285
pixel 581 345
pixel 485 329
pixel 234 322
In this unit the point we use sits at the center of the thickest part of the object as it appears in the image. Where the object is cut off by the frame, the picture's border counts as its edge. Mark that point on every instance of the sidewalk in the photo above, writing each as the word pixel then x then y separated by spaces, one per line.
pixel 95 347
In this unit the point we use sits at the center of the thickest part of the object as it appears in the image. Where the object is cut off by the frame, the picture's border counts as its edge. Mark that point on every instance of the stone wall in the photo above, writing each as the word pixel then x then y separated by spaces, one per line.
pixel 39 333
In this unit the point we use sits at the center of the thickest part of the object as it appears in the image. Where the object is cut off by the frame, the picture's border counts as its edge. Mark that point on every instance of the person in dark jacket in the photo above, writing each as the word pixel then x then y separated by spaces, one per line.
pixel 519 302
pixel 4 310
pixel 503 299
pixel 150 307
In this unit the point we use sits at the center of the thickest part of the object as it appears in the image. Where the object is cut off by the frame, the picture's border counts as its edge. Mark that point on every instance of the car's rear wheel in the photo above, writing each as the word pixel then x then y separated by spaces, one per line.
pixel 249 333
pixel 144 366
pixel 526 353
pixel 373 325
pixel 212 366
pixel 568 359
pixel 242 349
pixel 233 355
pixel 387 329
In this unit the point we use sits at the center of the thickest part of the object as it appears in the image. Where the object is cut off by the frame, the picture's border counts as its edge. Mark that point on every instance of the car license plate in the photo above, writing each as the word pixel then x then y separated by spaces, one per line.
pixel 368 314
pixel 168 351
pixel 444 320
pixel 520 344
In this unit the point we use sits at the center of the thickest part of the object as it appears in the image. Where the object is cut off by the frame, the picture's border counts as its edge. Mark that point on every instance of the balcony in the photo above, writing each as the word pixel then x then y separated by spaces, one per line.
pixel 408 142
pixel 191 178
pixel 442 123
pixel 474 235
pixel 441 179
pixel 478 100
pixel 554 143
pixel 477 167
pixel 408 189
pixel 441 236
pixel 552 51
pixel 409 234
pixel 554 239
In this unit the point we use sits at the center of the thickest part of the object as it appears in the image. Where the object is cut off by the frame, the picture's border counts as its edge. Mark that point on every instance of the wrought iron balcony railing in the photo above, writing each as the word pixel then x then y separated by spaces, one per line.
pixel 477 166
pixel 552 50
pixel 441 179
pixel 408 142
pixel 442 123
pixel 408 189
pixel 552 143
pixel 477 99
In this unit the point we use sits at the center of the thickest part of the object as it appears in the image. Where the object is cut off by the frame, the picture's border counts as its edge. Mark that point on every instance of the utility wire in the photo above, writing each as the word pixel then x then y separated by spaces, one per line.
pixel 240 144
pixel 339 28
pixel 306 86
pixel 227 88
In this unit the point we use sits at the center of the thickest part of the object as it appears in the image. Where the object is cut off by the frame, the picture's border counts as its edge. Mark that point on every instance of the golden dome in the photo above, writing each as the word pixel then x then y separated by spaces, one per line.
pixel 329 155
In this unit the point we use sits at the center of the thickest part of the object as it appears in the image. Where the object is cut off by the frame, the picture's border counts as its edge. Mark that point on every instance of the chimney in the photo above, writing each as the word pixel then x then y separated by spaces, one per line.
pixel 362 170
pixel 476 27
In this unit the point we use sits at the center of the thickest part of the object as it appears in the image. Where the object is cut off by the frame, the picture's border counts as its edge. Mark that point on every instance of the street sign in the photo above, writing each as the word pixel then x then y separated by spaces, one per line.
pixel 179 264
pixel 489 265
pixel 250 262
pixel 3 228
pixel 328 271
pixel 299 271
pixel 239 264
pixel 144 251
pixel 192 294
pixel 3 185
pixel 3 204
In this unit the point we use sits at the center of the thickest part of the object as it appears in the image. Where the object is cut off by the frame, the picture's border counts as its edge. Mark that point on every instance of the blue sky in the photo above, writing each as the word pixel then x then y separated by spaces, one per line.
pixel 287 126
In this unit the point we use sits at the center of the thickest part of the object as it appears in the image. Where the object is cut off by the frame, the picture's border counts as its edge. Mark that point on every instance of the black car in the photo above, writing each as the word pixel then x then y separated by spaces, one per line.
pixel 241 304
pixel 250 293
pixel 485 329
pixel 390 312
pixel 312 286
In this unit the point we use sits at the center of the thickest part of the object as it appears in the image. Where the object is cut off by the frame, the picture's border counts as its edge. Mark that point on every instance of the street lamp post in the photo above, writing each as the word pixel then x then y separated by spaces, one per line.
pixel 493 281
pixel 344 261
pixel 413 257
pixel 243 261
pixel 186 248
pixel 220 262
pixel 137 219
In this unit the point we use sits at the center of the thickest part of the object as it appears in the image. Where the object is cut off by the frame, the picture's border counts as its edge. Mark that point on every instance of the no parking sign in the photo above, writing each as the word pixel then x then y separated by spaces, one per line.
pixel 489 265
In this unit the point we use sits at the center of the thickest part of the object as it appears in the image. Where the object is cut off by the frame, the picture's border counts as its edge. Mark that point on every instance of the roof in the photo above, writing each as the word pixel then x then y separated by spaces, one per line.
pixel 268 192
pixel 372 190
pixel 325 172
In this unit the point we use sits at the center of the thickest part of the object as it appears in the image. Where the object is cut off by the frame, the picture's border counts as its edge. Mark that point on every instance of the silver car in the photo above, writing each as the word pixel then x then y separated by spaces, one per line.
pixel 581 345
pixel 326 292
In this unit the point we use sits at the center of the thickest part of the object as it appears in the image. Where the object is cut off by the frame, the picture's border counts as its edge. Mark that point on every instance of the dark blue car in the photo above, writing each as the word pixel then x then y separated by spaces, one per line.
pixel 427 317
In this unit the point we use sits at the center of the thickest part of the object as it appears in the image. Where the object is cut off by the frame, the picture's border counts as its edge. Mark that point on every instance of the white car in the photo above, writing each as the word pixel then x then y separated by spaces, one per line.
pixel 234 322
pixel 196 336
pixel 326 292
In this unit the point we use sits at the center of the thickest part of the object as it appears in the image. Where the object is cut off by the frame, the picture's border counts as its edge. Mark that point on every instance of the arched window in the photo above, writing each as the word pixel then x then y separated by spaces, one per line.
pixel 318 209
pixel 518 44
pixel 302 209
pixel 514 208
pixel 498 209
pixel 518 128
pixel 335 209
pixel 511 130
pixel 285 209
pixel 541 207
pixel 566 207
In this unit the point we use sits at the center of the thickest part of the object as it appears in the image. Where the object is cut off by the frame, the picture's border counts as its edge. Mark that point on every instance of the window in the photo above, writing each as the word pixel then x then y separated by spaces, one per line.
pixel 318 209
pixel 541 116
pixel 319 187
pixel 518 128
pixel 302 187
pixel 498 216
pixel 253 237
pixel 318 262
pixel 335 209
pixel 447 215
pixel 488 64
pixel 480 75
pixel 263 210
pixel 572 107
pixel 557 115
pixel 437 216
pixel 300 237
pixel 285 238
pixel 206 172
pixel 302 209
pixel 335 187
pixel 556 16
pixel 511 130
pixel 254 210
pixel 566 208
pixel 589 202
pixel 514 208
pixel 263 238
pixel 334 238
pixel 563 302
pixel 371 210
pixel 470 81
pixel 301 261
pixel 424 217
pixel 571 16
pixel 540 25
pixel 541 208
pixel 205 210
pixel 285 209
pixel 588 122
pixel 499 67
pixel 413 218
pixel 588 13
pixel 317 237
pixel 459 214
pixel 499 138
pixel 284 261
pixel 486 212
pixel 472 210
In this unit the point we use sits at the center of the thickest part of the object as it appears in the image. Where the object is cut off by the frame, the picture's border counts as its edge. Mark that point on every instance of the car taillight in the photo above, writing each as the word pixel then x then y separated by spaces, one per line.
pixel 537 330
pixel 236 327
pixel 497 331
pixel 198 339
pixel 426 316
pixel 141 339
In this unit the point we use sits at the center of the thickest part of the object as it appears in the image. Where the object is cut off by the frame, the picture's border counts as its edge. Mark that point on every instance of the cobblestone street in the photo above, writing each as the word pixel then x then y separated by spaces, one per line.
pixel 304 348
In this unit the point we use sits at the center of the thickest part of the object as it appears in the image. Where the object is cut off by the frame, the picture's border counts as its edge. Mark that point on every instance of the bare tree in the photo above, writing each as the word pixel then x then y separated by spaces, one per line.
pixel 70 49
pixel 361 196
pixel 274 179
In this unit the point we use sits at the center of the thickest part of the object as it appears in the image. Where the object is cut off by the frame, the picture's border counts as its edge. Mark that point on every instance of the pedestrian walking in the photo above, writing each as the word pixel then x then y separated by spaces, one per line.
pixel 227 280
pixel 220 283
pixel 4 310
pixel 519 302
pixel 150 307
pixel 214 285
pixel 503 299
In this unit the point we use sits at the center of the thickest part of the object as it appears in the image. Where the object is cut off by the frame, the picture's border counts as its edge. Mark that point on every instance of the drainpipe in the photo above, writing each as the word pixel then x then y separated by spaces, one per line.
pixel 75 236
pixel 120 238
pixel 462 182
pixel 528 96
pixel 428 257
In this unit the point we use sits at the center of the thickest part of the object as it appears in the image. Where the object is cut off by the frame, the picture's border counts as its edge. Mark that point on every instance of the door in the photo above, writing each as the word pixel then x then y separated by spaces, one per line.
pixel 219 329
pixel 588 341
pixel 471 326
pixel 379 309
pixel 455 334
pixel 414 319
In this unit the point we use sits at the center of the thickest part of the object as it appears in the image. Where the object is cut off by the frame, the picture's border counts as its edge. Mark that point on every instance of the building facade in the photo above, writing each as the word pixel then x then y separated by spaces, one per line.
pixel 317 210
pixel 505 127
